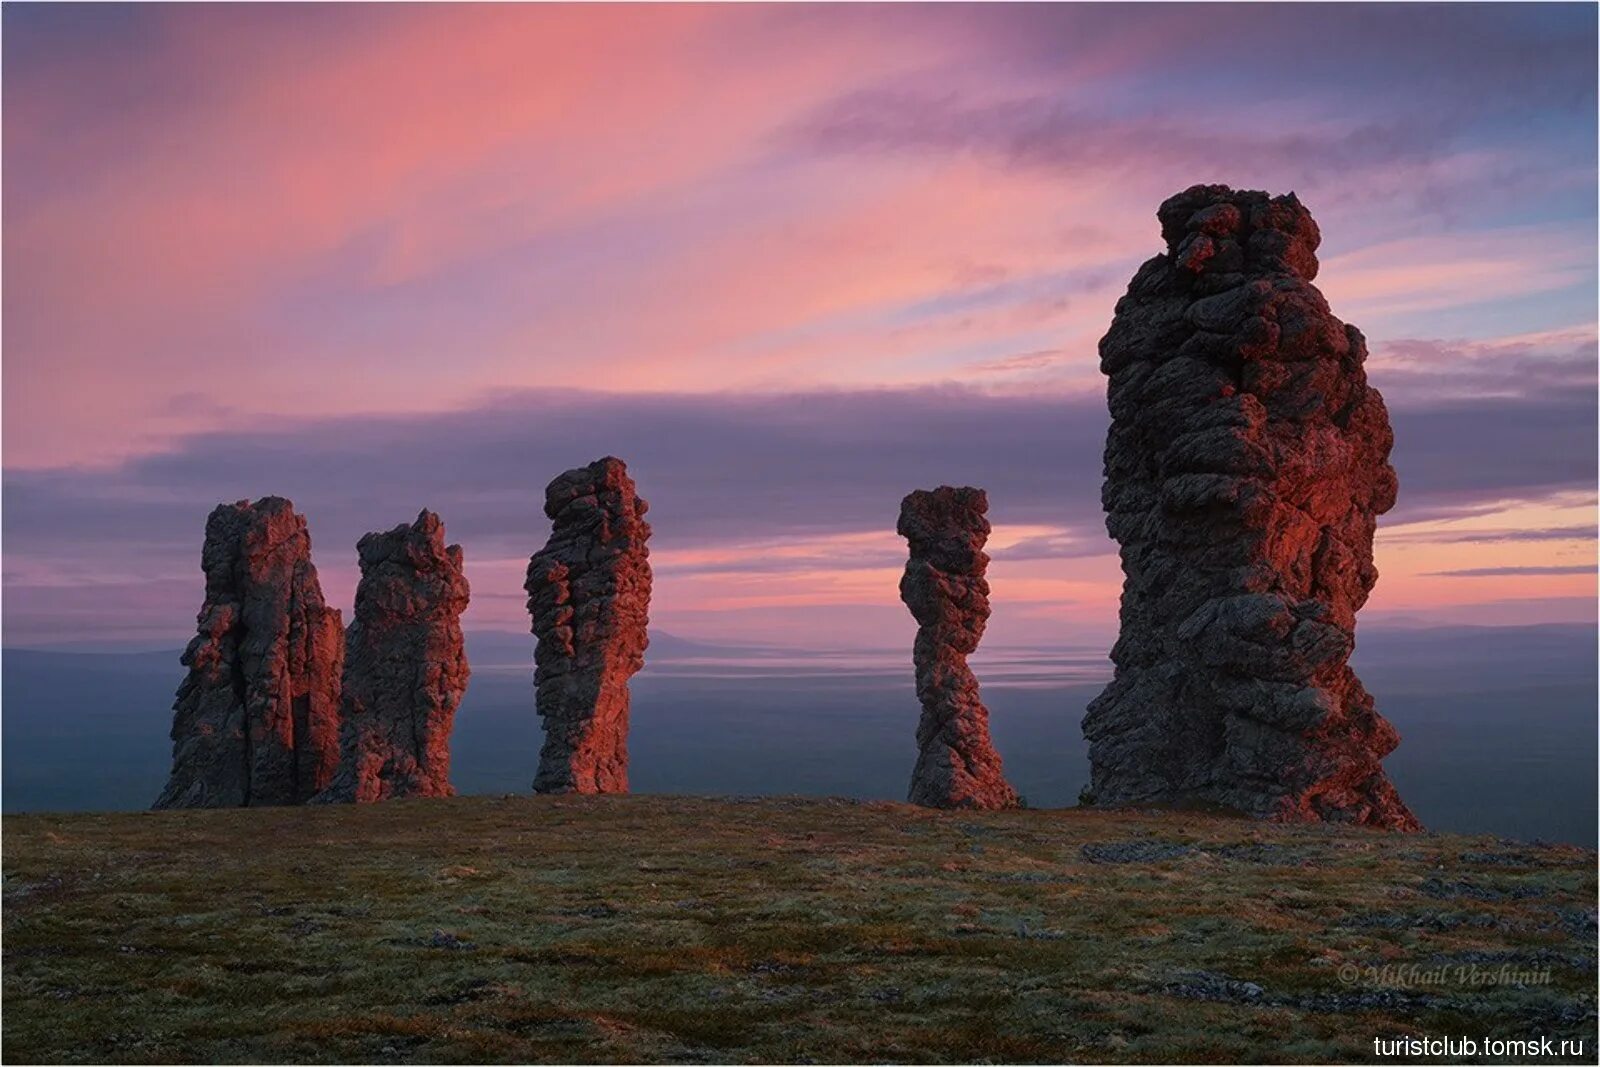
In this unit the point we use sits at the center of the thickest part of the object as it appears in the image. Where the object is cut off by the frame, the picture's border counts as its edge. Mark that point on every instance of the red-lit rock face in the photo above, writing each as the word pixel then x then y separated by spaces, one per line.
pixel 405 668
pixel 945 588
pixel 257 718
pixel 589 596
pixel 1246 464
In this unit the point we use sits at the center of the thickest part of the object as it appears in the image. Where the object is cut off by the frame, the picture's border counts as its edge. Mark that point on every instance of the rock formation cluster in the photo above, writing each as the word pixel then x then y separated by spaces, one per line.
pixel 589 597
pixel 256 720
pixel 405 666
pixel 1245 467
pixel 945 588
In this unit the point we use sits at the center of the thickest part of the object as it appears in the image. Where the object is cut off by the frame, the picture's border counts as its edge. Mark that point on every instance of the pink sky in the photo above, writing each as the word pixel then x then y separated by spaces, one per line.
pixel 287 222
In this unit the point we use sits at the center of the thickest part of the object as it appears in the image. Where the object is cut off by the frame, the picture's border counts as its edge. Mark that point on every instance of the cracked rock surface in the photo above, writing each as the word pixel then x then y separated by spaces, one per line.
pixel 406 667
pixel 945 588
pixel 256 720
pixel 1245 468
pixel 589 598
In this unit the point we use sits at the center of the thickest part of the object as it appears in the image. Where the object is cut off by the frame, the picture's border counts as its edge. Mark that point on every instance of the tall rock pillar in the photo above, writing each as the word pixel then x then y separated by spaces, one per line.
pixel 256 720
pixel 589 597
pixel 945 588
pixel 405 667
pixel 1245 468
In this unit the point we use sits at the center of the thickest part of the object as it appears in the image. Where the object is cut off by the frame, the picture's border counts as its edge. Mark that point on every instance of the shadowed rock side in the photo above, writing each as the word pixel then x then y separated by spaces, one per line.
pixel 405 669
pixel 1245 467
pixel 945 588
pixel 257 719
pixel 589 595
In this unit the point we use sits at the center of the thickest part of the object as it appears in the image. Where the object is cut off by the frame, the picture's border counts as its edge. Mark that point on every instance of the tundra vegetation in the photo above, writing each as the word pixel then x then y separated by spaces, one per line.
pixel 653 928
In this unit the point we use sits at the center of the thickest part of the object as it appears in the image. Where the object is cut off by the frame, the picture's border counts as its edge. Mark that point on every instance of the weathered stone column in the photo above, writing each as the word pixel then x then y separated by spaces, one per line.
pixel 945 588
pixel 257 718
pixel 589 597
pixel 405 668
pixel 1246 465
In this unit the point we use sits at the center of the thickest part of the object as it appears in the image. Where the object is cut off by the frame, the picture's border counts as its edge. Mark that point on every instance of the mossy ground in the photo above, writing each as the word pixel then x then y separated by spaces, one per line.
pixel 673 928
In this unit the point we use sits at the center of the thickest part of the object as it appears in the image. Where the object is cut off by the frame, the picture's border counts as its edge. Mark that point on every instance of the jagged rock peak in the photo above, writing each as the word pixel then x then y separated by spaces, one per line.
pixel 406 666
pixel 945 588
pixel 256 721
pixel 589 599
pixel 1245 467
pixel 1213 229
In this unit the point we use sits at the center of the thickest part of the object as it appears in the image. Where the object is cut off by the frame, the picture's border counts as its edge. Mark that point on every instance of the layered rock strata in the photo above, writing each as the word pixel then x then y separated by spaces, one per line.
pixel 589 598
pixel 256 720
pixel 945 588
pixel 1245 468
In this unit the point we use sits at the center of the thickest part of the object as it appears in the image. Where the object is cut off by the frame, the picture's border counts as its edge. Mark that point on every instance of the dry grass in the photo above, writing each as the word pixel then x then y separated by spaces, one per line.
pixel 684 929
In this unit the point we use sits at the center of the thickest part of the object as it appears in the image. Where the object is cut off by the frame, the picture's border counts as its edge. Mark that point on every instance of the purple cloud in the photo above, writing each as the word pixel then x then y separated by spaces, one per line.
pixel 1498 536
pixel 717 469
pixel 1505 572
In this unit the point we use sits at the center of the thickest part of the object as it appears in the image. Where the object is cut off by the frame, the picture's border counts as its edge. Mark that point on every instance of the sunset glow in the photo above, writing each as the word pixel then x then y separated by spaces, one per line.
pixel 789 262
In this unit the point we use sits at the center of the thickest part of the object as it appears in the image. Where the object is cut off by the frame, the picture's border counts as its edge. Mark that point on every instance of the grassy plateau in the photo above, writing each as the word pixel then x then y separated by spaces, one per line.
pixel 655 928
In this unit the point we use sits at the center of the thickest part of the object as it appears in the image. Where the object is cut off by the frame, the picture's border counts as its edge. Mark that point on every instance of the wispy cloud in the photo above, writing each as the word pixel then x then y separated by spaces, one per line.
pixel 1058 134
pixel 1501 535
pixel 284 212
pixel 1504 572
pixel 1557 363
pixel 790 262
